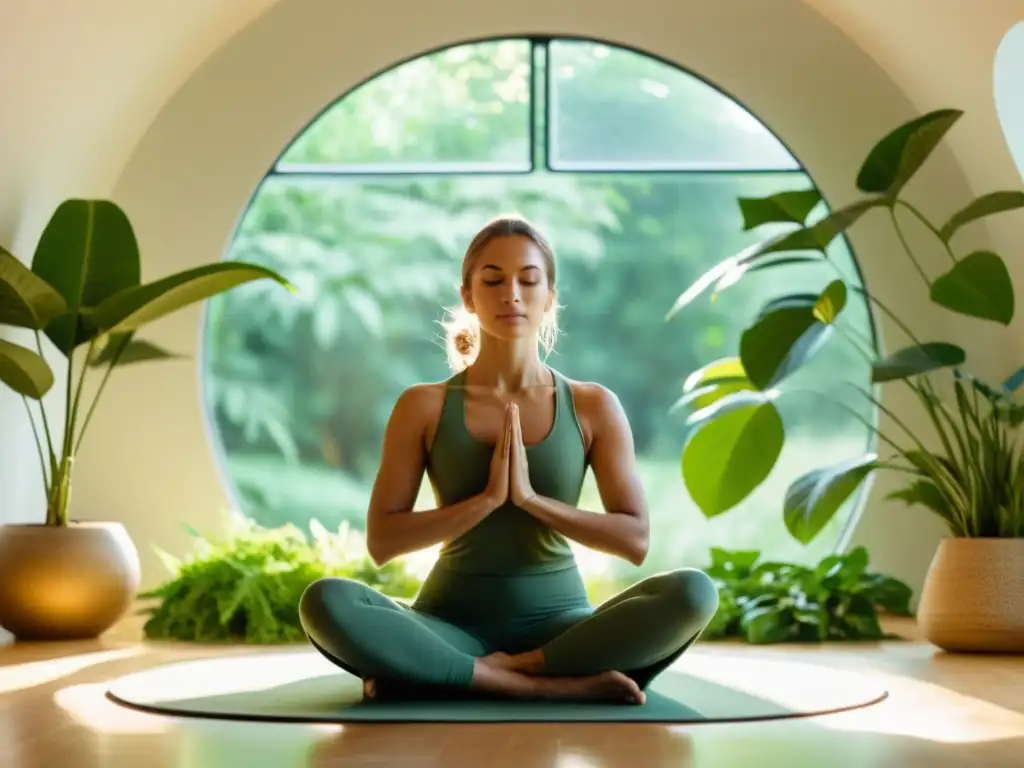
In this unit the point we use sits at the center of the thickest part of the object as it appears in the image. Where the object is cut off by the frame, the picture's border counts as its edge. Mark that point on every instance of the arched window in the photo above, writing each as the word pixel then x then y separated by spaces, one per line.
pixel 632 165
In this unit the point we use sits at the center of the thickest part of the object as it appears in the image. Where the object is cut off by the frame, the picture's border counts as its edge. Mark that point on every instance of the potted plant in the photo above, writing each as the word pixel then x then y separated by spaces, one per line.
pixel 63 578
pixel 969 470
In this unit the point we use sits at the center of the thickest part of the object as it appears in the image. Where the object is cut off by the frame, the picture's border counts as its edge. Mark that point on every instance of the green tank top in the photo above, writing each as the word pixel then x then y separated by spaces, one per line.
pixel 509 541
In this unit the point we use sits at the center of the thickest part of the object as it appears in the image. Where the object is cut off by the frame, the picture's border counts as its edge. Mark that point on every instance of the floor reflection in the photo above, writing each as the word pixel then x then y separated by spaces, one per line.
pixel 537 745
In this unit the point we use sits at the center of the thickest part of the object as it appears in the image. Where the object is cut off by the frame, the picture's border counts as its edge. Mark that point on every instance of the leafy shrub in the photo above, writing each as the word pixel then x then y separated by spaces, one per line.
pixel 773 602
pixel 246 588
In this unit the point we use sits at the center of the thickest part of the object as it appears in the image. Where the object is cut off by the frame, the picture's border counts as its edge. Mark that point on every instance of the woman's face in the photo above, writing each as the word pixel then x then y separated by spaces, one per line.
pixel 509 289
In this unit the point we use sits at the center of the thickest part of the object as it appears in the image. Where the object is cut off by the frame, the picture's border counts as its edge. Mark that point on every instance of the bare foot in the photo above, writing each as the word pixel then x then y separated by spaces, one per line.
pixel 369 689
pixel 527 663
pixel 606 686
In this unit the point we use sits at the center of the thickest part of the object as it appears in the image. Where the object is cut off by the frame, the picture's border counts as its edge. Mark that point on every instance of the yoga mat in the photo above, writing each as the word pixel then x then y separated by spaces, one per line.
pixel 303 686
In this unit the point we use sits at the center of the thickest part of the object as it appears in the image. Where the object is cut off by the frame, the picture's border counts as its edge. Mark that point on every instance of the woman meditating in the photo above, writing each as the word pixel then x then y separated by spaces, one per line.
pixel 506 442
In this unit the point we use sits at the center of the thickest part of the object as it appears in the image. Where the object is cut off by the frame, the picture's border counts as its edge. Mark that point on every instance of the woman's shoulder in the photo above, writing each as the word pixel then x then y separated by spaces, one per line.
pixel 427 395
pixel 417 410
pixel 593 400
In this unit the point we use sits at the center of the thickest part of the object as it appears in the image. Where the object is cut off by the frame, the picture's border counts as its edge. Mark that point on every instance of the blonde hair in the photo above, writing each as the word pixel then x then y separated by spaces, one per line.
pixel 462 328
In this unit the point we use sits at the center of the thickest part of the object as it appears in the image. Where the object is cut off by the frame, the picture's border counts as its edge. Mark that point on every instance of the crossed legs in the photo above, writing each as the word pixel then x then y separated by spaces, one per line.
pixel 613 653
pixel 640 631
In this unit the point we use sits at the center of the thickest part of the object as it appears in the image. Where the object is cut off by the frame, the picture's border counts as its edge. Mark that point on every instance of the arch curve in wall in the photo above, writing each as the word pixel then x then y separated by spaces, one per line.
pixel 632 166
pixel 209 148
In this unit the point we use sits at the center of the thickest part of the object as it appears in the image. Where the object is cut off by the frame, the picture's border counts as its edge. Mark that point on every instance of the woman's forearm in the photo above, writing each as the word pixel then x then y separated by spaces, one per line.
pixel 393 534
pixel 616 533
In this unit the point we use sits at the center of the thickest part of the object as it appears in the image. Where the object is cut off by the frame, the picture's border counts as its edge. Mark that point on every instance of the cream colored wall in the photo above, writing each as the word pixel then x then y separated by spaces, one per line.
pixel 80 83
pixel 149 461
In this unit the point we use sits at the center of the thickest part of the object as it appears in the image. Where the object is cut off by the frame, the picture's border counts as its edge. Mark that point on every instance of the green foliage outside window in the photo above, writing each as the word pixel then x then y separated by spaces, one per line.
pixel 369 211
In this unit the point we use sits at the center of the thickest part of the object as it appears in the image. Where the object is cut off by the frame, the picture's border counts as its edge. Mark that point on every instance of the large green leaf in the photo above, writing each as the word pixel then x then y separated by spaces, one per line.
pixel 815 237
pixel 894 160
pixel 917 359
pixel 132 308
pixel 732 451
pixel 791 207
pixel 717 379
pixel 813 499
pixel 127 350
pixel 819 235
pixel 831 303
pixel 986 205
pixel 26 300
pixel 783 261
pixel 88 253
pixel 788 333
pixel 887 592
pixel 767 624
pixel 24 371
pixel 717 273
pixel 979 285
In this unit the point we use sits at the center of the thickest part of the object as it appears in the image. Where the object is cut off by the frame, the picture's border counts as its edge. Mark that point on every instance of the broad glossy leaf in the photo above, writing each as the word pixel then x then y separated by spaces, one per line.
pixel 732 451
pixel 128 350
pixel 734 562
pixel 813 499
pixel 733 402
pixel 87 252
pixel 737 272
pixel 716 273
pixel 986 205
pixel 860 616
pixel 131 309
pixel 26 300
pixel 780 342
pixel 791 301
pixel 816 237
pixel 894 160
pixel 714 381
pixel 855 564
pixel 784 261
pixel 767 624
pixel 24 371
pixel 831 303
pixel 979 285
pixel 917 359
pixel 890 593
pixel 790 207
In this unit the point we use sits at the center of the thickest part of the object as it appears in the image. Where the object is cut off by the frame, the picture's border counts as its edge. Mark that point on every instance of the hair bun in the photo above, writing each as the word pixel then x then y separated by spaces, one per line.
pixel 464 340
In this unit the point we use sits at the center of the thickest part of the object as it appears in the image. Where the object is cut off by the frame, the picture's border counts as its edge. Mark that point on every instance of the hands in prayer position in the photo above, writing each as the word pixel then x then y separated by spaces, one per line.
pixel 510 475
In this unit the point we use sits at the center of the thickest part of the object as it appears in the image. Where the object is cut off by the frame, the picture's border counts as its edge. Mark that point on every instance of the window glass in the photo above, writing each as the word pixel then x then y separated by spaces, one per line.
pixel 460 109
pixel 300 388
pixel 613 109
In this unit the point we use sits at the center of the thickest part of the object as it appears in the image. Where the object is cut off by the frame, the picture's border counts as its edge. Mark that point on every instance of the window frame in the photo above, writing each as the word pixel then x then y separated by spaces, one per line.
pixel 539 113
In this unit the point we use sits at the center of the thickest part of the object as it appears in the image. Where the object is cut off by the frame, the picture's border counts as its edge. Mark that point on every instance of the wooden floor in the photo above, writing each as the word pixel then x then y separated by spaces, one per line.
pixel 943 710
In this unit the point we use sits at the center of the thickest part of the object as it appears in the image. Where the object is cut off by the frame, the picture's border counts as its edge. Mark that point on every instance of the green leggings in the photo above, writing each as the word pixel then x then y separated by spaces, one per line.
pixel 458 617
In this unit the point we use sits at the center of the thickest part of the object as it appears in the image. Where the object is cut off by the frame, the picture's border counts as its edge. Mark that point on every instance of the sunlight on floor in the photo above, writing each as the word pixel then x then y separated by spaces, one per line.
pixel 234 675
pixel 88 706
pixel 28 675
pixel 931 712
pixel 790 684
